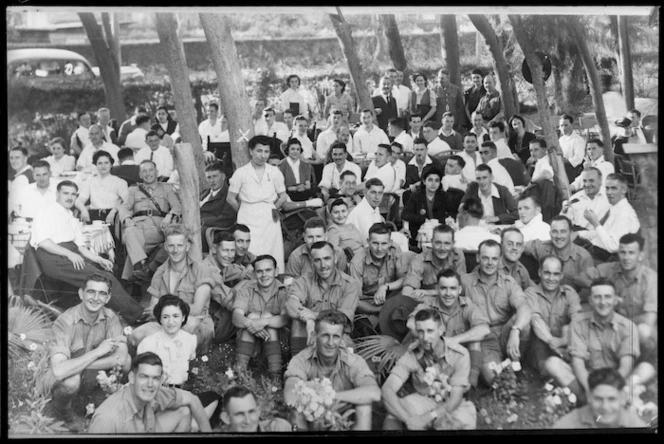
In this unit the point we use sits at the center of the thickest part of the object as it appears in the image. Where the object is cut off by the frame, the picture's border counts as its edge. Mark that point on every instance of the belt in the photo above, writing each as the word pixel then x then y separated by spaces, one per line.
pixel 178 386
pixel 150 213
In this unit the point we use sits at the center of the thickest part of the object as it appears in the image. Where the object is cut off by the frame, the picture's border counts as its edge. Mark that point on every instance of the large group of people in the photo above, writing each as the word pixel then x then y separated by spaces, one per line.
pixel 435 220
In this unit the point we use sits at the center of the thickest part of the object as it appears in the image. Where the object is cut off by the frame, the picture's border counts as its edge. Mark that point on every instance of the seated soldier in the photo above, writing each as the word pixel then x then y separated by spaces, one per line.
pixel 636 289
pixel 554 306
pixel 186 278
pixel 150 207
pixel 530 221
pixel 62 255
pixel 499 205
pixel 146 406
pixel 431 353
pixel 341 234
pixel 86 338
pixel 504 304
pixel 575 259
pixel 592 195
pixel 244 257
pixel 326 288
pixel 380 270
pixel 465 323
pixel 259 312
pixel 601 337
pixel 512 245
pixel 421 278
pixel 352 380
pixel 300 261
pixel 215 211
pixel 607 405
pixel 241 414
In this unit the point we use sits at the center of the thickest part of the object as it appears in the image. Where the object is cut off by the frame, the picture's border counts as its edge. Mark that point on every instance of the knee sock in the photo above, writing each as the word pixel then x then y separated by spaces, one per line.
pixel 62 400
pixel 273 354
pixel 475 366
pixel 580 393
pixel 243 353
pixel 297 344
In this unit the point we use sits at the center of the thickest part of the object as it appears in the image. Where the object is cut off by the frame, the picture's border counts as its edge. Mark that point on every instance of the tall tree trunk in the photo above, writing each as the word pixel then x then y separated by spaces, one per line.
pixel 345 36
pixel 108 65
pixel 380 51
pixel 189 193
pixel 232 91
pixel 167 25
pixel 509 95
pixel 537 73
pixel 592 73
pixel 557 71
pixel 450 47
pixel 625 63
pixel 395 47
pixel 111 35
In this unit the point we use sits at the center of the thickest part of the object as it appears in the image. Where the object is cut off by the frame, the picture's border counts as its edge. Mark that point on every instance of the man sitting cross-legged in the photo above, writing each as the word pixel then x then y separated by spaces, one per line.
pixel 430 354
pixel 259 312
pixel 352 380
pixel 86 338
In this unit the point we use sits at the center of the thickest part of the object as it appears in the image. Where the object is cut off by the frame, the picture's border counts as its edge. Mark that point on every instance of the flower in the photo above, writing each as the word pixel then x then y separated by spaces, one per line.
pixel 127 330
pixel 89 409
pixel 516 366
pixel 548 387
pixel 512 418
pixel 350 350
pixel 566 390
pixel 493 366
pixel 194 370
pixel 375 359
pixel 505 363
pixel 572 398
pixel 556 400
pixel 33 347
pixel 204 358
pixel 230 373
pixel 274 389
pixel 32 366
pixel 22 336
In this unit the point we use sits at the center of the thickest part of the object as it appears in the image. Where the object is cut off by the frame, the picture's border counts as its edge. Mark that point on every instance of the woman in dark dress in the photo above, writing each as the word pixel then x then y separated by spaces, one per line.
pixel 519 138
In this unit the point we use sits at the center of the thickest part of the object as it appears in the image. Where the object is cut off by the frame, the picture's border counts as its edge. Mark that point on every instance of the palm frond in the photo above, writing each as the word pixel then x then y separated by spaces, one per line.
pixel 26 325
pixel 385 348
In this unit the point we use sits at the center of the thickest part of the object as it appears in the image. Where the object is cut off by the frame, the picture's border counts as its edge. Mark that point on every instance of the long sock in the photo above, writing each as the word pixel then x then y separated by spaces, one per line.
pixel 580 393
pixel 243 353
pixel 297 344
pixel 475 366
pixel 273 354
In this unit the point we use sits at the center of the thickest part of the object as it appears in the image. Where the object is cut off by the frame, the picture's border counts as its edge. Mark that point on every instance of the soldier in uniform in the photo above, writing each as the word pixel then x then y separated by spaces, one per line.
pixel 150 207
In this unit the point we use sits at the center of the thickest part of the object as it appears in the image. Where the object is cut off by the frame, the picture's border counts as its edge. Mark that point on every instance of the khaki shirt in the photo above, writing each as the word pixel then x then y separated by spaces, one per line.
pixel 602 345
pixel 425 266
pixel 499 301
pixel 300 261
pixel 161 192
pixel 250 300
pixel 577 260
pixel 221 291
pixel 373 274
pixel 518 271
pixel 461 318
pixel 556 312
pixel 584 418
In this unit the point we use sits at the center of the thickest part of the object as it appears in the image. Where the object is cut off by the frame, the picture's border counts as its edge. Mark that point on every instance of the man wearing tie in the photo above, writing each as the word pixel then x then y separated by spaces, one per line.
pixel 157 153
pixel 639 134
pixel 621 219
pixel 215 211
pixel 385 104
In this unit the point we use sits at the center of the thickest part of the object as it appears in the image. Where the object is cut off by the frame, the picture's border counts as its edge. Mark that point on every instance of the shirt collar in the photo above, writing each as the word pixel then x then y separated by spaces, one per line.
pixel 78 315
pixel 369 259
pixel 494 192
pixel 613 322
pixel 427 161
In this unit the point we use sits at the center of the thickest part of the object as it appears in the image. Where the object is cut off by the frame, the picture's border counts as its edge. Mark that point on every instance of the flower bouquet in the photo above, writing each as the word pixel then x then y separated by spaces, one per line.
pixel 558 401
pixel 110 383
pixel 315 400
pixel 439 387
pixel 505 386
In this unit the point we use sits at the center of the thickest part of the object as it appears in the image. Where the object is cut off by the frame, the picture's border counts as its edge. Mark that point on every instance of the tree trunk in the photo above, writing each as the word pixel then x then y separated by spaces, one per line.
pixel 557 71
pixel 380 52
pixel 183 157
pixel 595 86
pixel 395 47
pixel 537 73
pixel 232 91
pixel 450 47
pixel 111 35
pixel 167 25
pixel 625 63
pixel 108 65
pixel 345 36
pixel 509 95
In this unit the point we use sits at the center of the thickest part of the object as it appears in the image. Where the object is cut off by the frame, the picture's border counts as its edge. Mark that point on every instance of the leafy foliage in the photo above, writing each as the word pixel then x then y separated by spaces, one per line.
pixel 381 350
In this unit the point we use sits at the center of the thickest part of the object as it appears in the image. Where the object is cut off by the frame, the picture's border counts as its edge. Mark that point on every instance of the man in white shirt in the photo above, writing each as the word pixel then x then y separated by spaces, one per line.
pixel 489 155
pixel 436 148
pixel 84 162
pixel 367 212
pixel 571 143
pixel 595 158
pixel 621 219
pixel 104 120
pixel 23 174
pixel 478 128
pixel 81 137
pixel 396 130
pixel 382 169
pixel 211 127
pixel 396 159
pixel 415 123
pixel 368 136
pixel 400 92
pixel 136 139
pixel 592 196
pixel 497 136
pixel 637 132
pixel 543 169
pixel 530 221
pixel 37 195
pixel 470 234
pixel 470 156
pixel 268 126
pixel 158 154
pixel 330 183
pixel 301 125
pixel 453 177
pixel 129 125
pixel 326 138
pixel 344 136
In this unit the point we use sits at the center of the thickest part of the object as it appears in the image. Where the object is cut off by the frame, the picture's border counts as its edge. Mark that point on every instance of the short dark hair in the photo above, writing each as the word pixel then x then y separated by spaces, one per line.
pixel 67 183
pixel 429 171
pixel 125 153
pixel 264 257
pixel 259 140
pixel 415 115
pixel 269 109
pixel 497 124
pixel 289 111
pixel 443 228
pixel 617 176
pixel 102 153
pixel 561 217
pixel 379 228
pixel 322 244
pixel 447 114
pixel 314 222
pixel 374 182
pixel 567 117
pixel 602 281
pixel 473 207
pixel 81 114
pixel 398 122
pixel 164 107
pixel 484 167
pixel 511 229
pixel 222 236
pixel 41 164
pixel 341 83
pixel 457 159
pixel 539 141
pixel 596 141
pixel 419 74
pixel 396 145
pixel 293 76
pixel 214 105
pixel 98 277
pixel 215 166
pixel 470 134
pixel 517 117
pixel 490 145
pixel 334 317
pixel 338 202
pixel 21 149
pixel 429 313
pixel 338 145
pixel 171 299
pixel 148 358
pixel 151 133
pixel 606 376
pixel 420 141
pixel 346 174
pixel 237 391
pixel 429 124
pixel 290 142
pixel 534 198
pixel 240 227
pixel 384 146
pixel 491 244
pixel 634 111
pixel 141 119
pixel 630 238
pixel 477 71
pixel 447 274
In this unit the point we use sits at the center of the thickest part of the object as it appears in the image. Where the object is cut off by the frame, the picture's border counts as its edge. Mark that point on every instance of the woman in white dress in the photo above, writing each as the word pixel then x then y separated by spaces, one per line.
pixel 257 192
pixel 60 161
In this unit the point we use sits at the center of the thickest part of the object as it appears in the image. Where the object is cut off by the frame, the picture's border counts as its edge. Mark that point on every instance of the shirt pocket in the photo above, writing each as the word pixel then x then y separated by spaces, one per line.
pixel 595 352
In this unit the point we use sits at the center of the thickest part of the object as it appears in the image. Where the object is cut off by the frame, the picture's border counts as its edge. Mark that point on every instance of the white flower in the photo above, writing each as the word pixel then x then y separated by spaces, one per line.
pixel 375 359
pixel 556 400
pixel 548 387
pixel 349 350
pixel 22 336
pixel 32 366
pixel 274 389
pixel 512 418
pixel 230 373
pixel 33 347
pixel 516 366
pixel 572 398
pixel 493 366
pixel 194 370
pixel 505 363
pixel 127 330
pixel 204 358
pixel 89 409
pixel 566 391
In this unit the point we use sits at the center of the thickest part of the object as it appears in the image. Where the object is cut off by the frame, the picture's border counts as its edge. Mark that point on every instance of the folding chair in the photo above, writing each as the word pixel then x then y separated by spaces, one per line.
pixel 630 170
